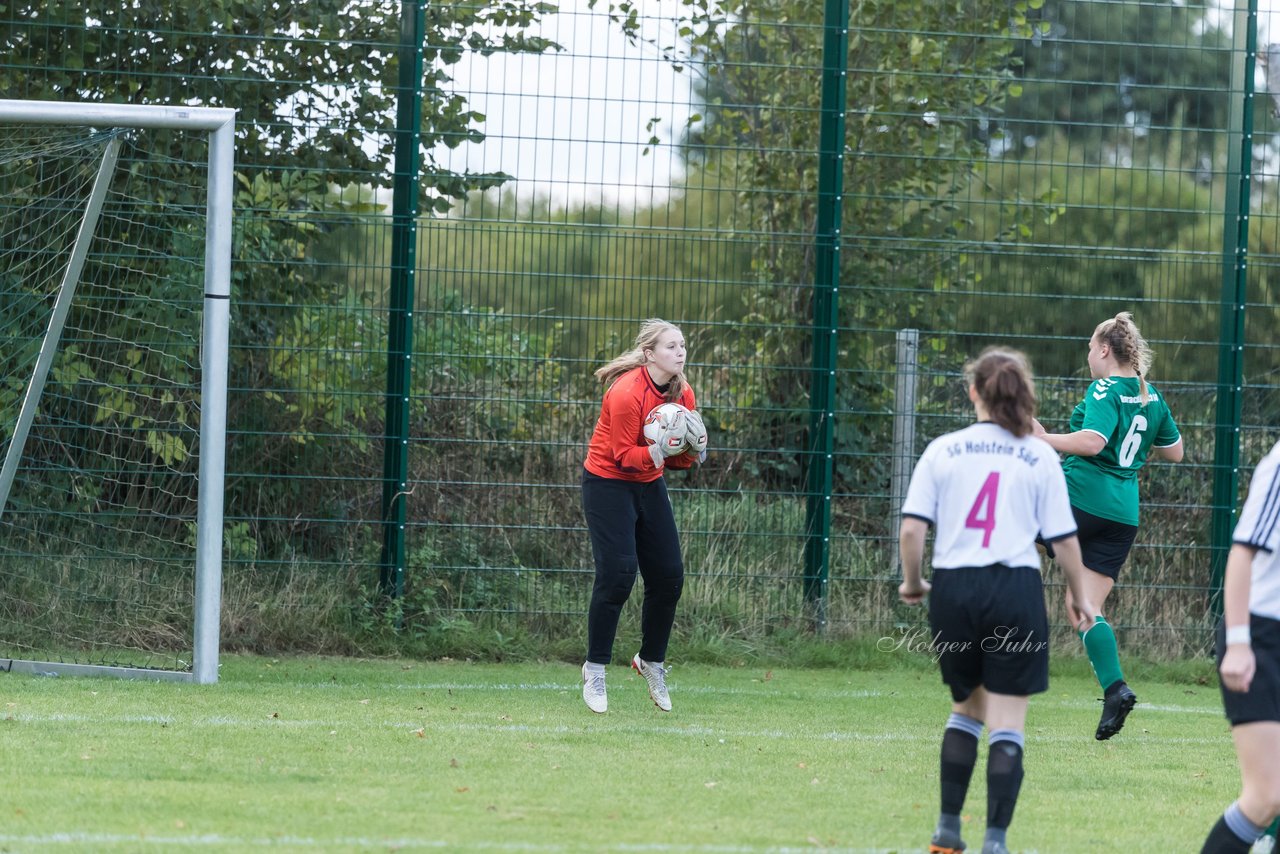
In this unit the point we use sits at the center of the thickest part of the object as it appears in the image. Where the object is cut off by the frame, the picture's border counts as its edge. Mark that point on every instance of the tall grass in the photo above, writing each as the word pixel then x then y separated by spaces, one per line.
pixel 475 593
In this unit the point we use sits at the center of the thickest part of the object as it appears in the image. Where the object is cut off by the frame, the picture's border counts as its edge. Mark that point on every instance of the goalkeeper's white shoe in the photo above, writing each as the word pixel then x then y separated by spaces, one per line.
pixel 655 675
pixel 593 693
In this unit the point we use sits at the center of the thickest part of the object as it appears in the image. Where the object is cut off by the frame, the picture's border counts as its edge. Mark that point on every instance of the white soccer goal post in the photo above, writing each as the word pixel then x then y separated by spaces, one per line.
pixel 115 284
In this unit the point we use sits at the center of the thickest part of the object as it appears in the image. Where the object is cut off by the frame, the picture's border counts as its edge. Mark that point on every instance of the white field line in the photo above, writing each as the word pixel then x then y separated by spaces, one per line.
pixel 808 734
pixel 1180 710
pixel 312 843
pixel 1039 700
pixel 852 694
pixel 692 730
pixel 674 686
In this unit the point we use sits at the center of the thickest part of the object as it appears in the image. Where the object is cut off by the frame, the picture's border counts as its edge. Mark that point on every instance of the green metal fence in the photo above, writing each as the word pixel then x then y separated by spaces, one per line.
pixel 449 215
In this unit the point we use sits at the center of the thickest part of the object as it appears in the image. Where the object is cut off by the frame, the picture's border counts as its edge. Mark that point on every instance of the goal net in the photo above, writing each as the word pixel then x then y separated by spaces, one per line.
pixel 114 300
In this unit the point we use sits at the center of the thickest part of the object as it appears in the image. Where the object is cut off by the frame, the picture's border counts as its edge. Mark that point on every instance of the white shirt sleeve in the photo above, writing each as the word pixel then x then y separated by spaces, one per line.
pixel 1259 523
pixel 1054 512
pixel 922 492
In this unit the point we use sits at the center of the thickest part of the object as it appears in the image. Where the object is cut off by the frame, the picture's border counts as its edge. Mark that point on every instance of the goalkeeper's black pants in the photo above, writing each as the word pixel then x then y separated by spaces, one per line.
pixel 632 531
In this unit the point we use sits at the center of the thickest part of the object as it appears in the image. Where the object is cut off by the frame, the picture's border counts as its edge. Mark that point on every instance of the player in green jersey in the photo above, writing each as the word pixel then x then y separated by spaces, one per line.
pixel 1121 421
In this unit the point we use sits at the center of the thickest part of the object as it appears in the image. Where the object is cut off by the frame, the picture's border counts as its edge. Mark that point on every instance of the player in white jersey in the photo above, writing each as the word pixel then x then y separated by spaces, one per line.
pixel 1249 661
pixel 988 490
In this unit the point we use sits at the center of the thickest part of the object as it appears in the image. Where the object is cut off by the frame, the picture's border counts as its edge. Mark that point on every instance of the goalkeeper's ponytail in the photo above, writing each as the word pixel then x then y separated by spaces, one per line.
pixel 1002 378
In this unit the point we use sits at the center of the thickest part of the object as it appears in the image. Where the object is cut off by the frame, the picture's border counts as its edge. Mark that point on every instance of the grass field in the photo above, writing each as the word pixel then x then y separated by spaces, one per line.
pixel 318 754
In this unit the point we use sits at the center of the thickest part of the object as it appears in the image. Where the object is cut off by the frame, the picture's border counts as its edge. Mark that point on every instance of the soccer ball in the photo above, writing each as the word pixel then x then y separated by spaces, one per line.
pixel 665 423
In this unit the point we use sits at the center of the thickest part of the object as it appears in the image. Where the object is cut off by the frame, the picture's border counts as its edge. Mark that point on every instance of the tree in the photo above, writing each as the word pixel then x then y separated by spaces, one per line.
pixel 1118 77
pixel 315 87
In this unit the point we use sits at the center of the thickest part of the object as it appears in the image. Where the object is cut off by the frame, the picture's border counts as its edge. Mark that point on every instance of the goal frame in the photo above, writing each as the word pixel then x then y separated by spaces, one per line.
pixel 219 124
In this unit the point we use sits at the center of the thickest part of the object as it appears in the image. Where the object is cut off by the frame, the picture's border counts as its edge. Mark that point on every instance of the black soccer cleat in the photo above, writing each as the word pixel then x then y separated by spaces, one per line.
pixel 1115 708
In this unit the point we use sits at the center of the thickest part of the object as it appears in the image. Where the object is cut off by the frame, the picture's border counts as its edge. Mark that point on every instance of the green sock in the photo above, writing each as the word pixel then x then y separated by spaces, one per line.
pixel 1100 644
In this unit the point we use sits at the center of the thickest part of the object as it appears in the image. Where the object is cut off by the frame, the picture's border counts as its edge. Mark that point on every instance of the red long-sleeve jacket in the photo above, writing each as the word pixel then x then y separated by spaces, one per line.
pixel 618 448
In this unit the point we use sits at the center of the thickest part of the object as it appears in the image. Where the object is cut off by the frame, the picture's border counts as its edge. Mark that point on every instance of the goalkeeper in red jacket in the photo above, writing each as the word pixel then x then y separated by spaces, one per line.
pixel 629 517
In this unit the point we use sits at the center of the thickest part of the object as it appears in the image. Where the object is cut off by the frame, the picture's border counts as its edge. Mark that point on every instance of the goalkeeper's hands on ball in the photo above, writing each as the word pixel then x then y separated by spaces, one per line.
pixel 670 441
pixel 695 436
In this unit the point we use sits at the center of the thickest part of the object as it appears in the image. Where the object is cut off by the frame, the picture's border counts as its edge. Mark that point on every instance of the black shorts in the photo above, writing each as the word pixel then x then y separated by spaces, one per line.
pixel 1262 701
pixel 990 629
pixel 1104 543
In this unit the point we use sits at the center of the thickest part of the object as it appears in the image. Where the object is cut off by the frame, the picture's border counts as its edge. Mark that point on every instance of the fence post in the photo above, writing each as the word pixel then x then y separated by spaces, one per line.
pixel 404 239
pixel 826 305
pixel 904 431
pixel 1235 248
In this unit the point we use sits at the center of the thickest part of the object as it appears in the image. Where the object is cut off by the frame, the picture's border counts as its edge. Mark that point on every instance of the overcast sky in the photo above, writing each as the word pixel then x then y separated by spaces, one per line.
pixel 572 125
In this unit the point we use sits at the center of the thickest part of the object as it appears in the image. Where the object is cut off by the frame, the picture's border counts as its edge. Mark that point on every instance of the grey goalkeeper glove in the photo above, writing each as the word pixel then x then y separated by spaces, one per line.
pixel 695 434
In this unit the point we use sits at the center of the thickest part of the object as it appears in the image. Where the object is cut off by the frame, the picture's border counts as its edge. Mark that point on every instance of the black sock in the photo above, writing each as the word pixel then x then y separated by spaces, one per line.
pixel 1223 840
pixel 959 754
pixel 1004 780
